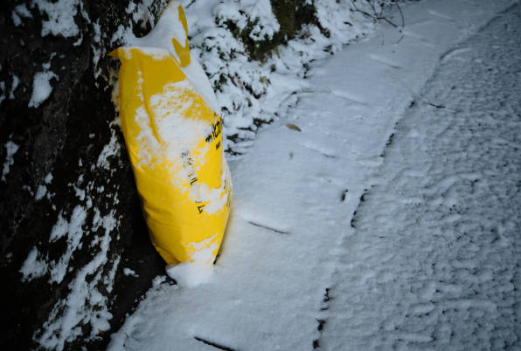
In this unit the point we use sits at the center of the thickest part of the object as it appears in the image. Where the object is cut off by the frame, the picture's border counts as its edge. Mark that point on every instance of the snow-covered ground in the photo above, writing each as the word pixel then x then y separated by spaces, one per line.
pixel 380 211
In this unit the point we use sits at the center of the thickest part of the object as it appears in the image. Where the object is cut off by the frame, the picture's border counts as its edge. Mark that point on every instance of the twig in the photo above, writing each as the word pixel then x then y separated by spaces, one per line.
pixel 211 343
pixel 401 14
pixel 268 228
pixel 434 105
pixel 379 16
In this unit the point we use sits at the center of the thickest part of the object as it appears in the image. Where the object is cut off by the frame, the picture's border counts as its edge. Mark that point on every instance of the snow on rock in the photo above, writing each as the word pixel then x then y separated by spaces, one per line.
pixel 141 12
pixel 74 234
pixel 61 17
pixel 42 88
pixel 14 85
pixel 129 272
pixel 34 266
pixel 40 192
pixel 2 96
pixel 48 178
pixel 84 304
pixel 11 149
pixel 59 229
pixel 23 11
pixel 17 21
pixel 111 149
pixel 19 12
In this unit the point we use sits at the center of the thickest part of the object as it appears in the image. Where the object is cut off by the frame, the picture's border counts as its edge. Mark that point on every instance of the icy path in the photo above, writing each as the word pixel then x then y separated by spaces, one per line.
pixel 297 269
pixel 434 262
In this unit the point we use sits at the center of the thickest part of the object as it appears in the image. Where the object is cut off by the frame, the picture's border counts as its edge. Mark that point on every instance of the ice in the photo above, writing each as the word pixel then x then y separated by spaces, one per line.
pixel 42 88
pixel 11 148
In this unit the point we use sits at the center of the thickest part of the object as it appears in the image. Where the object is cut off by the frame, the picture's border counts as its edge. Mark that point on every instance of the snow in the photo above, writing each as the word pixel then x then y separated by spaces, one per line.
pixel 129 272
pixel 19 12
pixel 11 148
pixel 192 273
pixel 74 234
pixel 34 266
pixel 240 13
pixel 14 85
pixel 84 304
pixel 357 232
pixel 48 178
pixel 169 27
pixel 17 21
pixel 61 17
pixel 40 192
pixel 59 229
pixel 251 92
pixel 159 42
pixel 2 97
pixel 23 11
pixel 140 12
pixel 42 88
pixel 111 149
pixel 174 129
pixel 97 50
pixel 436 247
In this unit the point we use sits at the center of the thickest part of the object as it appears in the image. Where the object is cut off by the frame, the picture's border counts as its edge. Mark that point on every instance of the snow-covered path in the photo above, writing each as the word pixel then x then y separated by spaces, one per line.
pixel 435 260
pixel 299 271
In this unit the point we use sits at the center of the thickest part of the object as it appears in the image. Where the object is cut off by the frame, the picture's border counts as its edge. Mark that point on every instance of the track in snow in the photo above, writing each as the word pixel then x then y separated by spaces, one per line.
pixel 434 262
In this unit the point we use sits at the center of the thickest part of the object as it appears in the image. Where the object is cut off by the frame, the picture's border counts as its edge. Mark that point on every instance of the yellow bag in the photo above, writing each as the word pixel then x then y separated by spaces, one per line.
pixel 174 140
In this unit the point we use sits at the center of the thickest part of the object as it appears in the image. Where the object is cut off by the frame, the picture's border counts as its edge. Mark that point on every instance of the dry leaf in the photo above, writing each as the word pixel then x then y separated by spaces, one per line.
pixel 294 127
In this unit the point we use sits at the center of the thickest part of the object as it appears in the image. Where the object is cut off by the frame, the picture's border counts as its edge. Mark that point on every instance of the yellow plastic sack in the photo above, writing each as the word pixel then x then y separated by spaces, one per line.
pixel 174 140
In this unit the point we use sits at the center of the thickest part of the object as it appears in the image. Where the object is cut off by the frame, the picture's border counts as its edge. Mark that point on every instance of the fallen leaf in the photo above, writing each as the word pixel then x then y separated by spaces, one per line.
pixel 294 127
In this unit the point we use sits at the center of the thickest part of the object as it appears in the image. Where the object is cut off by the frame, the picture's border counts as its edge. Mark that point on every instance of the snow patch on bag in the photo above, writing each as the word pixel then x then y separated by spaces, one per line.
pixel 197 271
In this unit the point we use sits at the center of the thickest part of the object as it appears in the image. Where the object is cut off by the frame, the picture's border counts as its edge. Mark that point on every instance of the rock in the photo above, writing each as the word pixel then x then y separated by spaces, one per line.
pixel 69 176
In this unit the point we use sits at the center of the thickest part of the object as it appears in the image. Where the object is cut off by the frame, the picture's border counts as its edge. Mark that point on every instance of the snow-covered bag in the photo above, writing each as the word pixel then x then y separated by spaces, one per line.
pixel 174 140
